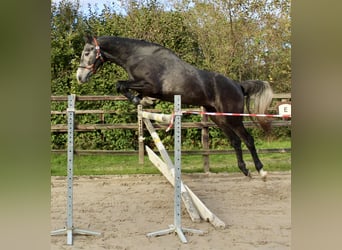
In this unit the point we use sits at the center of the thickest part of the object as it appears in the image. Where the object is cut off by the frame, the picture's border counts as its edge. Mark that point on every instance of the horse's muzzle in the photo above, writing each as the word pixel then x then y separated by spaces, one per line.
pixel 83 75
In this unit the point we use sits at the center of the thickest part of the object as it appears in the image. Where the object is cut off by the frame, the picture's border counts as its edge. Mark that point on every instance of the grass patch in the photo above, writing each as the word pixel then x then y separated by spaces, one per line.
pixel 101 165
pixel 120 165
pixel 272 162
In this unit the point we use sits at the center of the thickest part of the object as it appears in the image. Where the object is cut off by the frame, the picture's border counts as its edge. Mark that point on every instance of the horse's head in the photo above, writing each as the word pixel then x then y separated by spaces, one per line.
pixel 91 60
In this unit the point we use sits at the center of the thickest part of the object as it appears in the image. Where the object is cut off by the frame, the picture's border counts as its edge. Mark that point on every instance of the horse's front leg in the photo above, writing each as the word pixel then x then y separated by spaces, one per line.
pixel 123 88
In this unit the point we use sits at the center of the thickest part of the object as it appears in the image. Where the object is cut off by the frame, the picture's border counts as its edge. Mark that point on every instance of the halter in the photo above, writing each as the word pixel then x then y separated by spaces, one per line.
pixel 98 55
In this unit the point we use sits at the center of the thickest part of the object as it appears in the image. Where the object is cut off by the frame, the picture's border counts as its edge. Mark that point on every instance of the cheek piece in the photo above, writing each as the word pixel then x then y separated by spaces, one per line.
pixel 98 56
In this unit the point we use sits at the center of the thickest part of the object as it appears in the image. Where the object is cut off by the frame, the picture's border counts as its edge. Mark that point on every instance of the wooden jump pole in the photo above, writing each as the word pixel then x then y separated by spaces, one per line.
pixel 156 117
pixel 201 208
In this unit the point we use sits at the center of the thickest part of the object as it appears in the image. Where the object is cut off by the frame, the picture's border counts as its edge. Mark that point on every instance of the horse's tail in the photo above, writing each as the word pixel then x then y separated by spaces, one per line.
pixel 262 93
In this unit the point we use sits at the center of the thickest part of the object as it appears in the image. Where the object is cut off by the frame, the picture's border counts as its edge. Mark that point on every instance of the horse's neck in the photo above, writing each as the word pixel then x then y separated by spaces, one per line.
pixel 116 49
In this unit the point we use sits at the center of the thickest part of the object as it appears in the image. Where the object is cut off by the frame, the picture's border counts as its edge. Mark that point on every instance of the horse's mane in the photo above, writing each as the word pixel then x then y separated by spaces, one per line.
pixel 136 42
pixel 131 41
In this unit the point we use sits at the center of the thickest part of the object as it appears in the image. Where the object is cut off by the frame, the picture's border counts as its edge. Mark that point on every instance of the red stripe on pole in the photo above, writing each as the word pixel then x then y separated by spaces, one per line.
pixel 234 114
pixel 223 114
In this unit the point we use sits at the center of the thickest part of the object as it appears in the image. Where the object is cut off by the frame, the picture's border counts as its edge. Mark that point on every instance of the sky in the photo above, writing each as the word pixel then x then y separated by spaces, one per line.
pixel 99 3
pixel 119 8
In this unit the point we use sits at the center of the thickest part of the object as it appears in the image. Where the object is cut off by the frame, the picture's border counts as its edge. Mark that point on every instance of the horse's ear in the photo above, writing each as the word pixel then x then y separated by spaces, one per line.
pixel 88 38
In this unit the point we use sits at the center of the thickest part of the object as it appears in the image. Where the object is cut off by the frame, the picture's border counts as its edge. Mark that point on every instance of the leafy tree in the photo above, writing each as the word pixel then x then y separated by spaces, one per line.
pixel 245 39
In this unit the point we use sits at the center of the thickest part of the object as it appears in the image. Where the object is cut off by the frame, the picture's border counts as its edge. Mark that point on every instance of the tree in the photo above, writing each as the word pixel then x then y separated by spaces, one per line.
pixel 244 39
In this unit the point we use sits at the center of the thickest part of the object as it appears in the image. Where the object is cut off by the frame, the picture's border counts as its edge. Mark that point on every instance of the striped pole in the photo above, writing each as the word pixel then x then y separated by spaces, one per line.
pixel 234 114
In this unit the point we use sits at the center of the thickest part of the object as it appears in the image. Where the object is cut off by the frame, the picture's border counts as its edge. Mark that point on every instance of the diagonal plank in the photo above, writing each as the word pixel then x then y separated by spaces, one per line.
pixel 167 172
pixel 203 211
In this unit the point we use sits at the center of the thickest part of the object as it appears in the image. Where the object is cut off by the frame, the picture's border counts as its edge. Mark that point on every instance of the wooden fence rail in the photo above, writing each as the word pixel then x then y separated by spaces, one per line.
pixel 62 128
pixel 185 152
pixel 286 96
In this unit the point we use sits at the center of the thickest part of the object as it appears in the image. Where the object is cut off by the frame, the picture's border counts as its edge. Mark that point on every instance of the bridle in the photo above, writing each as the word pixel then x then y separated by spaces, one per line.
pixel 98 56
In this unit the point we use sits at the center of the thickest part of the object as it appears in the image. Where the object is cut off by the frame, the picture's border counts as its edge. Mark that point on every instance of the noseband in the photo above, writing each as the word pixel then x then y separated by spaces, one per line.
pixel 98 55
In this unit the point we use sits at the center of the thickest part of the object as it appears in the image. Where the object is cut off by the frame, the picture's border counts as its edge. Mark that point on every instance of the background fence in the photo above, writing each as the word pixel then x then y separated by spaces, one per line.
pixel 204 125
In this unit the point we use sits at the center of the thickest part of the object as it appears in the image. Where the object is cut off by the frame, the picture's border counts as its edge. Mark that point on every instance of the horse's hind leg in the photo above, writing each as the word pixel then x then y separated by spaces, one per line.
pixel 234 141
pixel 241 131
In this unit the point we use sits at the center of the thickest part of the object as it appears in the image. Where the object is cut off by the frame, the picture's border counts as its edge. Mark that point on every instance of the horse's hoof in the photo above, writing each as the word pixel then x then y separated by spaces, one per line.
pixel 136 100
pixel 249 175
pixel 263 174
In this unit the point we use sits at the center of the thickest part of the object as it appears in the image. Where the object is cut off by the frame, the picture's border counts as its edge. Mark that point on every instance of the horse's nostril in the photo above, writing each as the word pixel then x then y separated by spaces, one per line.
pixel 79 77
